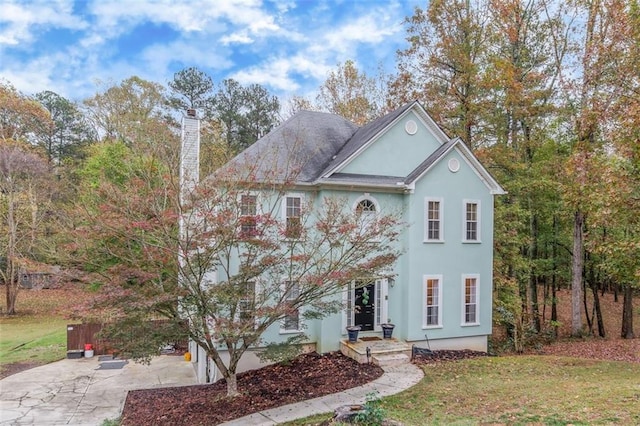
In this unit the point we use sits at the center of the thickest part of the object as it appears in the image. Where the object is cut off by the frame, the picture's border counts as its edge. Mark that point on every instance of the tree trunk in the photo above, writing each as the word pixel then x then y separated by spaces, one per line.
pixel 627 313
pixel 576 272
pixel 554 285
pixel 232 384
pixel 11 274
pixel 533 282
pixel 596 301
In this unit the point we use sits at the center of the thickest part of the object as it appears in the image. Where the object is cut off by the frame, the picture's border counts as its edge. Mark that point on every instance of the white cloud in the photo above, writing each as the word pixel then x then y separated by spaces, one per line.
pixel 199 53
pixel 185 16
pixel 368 29
pixel 286 46
pixel 19 21
pixel 280 74
pixel 240 37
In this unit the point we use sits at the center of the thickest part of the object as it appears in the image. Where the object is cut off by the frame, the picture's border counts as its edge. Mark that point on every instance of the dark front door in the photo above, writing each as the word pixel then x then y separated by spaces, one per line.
pixel 365 308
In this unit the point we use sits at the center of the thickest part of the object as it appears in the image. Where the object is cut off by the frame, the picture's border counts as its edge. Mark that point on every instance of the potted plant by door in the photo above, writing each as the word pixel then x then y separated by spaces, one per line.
pixel 352 331
pixel 387 330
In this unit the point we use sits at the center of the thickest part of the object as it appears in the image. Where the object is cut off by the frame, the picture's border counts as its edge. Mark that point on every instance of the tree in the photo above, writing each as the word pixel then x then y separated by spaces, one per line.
pixel 23 207
pixel 296 104
pixel 24 189
pixel 21 118
pixel 191 88
pixel 246 113
pixel 276 276
pixel 351 94
pixel 591 87
pixel 122 111
pixel 70 130
pixel 519 85
pixel 615 223
pixel 261 114
pixel 442 65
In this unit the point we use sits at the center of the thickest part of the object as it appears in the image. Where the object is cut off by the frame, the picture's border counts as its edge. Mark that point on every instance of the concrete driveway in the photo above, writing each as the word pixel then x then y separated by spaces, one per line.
pixel 84 391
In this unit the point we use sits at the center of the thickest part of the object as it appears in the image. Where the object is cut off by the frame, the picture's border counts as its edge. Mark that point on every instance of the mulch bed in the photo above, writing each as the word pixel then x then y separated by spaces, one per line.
pixel 308 376
pixel 434 357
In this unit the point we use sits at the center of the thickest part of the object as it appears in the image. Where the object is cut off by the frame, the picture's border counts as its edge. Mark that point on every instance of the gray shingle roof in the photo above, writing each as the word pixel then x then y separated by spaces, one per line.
pixel 299 148
pixel 311 145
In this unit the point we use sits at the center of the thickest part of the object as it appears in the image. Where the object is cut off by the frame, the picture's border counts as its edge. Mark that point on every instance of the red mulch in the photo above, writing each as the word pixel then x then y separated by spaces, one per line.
pixel 308 376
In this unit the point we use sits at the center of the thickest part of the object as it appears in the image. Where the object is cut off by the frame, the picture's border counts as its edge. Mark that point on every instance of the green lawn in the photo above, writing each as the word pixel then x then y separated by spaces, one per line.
pixel 518 390
pixel 40 339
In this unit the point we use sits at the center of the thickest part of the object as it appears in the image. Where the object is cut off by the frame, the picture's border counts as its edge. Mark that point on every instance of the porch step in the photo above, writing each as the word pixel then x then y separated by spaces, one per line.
pixel 391 359
pixel 388 351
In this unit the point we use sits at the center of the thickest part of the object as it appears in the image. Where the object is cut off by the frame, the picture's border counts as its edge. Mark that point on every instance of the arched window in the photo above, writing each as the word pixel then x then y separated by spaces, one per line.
pixel 367 209
pixel 366 205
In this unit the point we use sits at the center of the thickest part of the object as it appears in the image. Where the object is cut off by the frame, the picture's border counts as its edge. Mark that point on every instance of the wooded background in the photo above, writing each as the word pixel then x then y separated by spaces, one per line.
pixel 546 93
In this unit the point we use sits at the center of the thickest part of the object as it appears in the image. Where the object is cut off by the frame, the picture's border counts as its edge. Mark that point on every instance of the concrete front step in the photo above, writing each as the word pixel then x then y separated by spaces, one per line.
pixel 391 359
pixel 365 351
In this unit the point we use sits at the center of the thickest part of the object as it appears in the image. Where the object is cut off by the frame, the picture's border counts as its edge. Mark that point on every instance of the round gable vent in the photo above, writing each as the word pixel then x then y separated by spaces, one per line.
pixel 454 165
pixel 411 127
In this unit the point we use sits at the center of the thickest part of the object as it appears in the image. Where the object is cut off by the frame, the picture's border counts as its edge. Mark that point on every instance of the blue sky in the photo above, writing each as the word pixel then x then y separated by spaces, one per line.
pixel 288 46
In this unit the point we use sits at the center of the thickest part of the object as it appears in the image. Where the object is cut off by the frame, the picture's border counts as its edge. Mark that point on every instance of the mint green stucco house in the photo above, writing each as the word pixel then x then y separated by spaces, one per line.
pixel 402 162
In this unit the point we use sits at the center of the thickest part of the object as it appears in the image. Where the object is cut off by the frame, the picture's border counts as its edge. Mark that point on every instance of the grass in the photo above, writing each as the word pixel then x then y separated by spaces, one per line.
pixel 38 333
pixel 518 390
pixel 37 339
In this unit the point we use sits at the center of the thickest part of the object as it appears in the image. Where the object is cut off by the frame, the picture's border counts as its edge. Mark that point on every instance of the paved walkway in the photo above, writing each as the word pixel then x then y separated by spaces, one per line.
pixel 85 391
pixel 394 380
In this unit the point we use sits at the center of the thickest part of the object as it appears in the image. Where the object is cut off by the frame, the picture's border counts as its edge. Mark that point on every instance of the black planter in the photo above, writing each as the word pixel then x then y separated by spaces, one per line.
pixel 353 333
pixel 387 330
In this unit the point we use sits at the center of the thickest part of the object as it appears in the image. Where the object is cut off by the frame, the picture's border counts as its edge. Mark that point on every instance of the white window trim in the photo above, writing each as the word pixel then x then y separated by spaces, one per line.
pixel 255 302
pixel 283 209
pixel 366 196
pixel 424 300
pixel 478 239
pixel 477 322
pixel 426 220
pixel 258 203
pixel 300 328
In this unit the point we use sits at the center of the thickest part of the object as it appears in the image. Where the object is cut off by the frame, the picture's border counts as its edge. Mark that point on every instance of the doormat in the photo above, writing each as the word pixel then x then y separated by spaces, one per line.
pixel 112 365
pixel 369 339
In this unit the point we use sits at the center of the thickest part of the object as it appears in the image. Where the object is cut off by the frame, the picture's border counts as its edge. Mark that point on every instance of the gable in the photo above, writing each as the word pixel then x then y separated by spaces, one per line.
pixel 396 151
pixel 391 152
pixel 465 161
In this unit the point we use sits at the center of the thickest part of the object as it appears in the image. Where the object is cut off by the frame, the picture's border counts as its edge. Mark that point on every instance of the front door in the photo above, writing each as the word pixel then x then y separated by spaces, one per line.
pixel 365 307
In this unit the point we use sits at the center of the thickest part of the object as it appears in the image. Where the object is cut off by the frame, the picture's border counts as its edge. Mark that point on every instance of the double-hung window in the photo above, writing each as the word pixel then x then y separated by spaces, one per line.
pixel 432 312
pixel 291 320
pixel 293 216
pixel 246 304
pixel 471 225
pixel 433 224
pixel 248 212
pixel 470 303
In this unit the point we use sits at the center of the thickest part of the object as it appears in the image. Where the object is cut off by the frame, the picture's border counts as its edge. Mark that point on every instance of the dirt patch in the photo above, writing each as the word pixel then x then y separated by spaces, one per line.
pixel 7 370
pixel 308 376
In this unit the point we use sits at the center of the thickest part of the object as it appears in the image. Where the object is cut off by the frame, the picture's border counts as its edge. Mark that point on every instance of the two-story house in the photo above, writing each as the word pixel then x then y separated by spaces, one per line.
pixel 401 162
